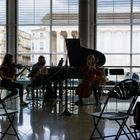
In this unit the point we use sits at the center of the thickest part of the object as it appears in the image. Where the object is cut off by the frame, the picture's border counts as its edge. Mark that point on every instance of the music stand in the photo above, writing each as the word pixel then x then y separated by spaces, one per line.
pixel 116 72
pixel 66 111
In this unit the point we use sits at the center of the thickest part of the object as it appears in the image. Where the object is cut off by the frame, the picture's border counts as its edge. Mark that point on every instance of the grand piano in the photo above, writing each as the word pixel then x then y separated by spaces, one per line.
pixel 77 56
pixel 76 60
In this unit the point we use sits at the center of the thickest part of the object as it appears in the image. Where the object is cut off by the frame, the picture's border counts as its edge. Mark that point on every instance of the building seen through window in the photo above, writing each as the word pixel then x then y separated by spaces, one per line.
pixel 44 30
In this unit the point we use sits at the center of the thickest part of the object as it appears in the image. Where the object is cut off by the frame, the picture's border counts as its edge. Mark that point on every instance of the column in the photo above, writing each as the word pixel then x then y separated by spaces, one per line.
pixel 11 27
pixel 64 35
pixel 74 34
pixel 53 60
pixel 92 34
pixel 83 22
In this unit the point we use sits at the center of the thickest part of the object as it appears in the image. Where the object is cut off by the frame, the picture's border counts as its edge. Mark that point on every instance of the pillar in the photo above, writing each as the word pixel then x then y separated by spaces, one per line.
pixel 83 22
pixel 11 27
pixel 92 34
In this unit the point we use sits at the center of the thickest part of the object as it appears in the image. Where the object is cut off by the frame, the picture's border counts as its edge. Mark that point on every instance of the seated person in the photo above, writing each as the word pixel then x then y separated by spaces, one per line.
pixel 8 76
pixel 92 75
pixel 39 77
pixel 38 70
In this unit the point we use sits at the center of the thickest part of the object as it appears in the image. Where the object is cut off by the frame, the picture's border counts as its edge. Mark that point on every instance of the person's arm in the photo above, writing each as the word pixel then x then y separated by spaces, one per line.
pixel 5 77
pixel 85 72
pixel 43 70
pixel 98 71
pixel 18 74
pixel 11 77
pixel 101 78
pixel 35 72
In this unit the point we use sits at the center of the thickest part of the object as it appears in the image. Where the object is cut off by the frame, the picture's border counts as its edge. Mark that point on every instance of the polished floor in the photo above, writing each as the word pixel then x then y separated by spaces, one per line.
pixel 53 119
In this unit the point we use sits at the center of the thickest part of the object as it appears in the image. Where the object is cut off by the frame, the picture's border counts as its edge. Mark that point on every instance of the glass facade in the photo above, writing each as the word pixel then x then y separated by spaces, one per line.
pixel 118 33
pixel 2 28
pixel 43 26
pixel 47 24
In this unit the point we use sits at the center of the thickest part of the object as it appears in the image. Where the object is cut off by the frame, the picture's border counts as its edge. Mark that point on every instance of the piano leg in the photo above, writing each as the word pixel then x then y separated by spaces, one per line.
pixel 60 89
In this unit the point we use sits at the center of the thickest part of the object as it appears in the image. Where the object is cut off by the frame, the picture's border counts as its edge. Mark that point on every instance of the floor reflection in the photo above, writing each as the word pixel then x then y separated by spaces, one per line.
pixel 47 121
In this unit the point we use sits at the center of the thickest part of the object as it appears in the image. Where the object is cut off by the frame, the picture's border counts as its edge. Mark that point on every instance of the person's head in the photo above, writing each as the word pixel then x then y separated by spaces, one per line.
pixel 91 59
pixel 7 59
pixel 41 60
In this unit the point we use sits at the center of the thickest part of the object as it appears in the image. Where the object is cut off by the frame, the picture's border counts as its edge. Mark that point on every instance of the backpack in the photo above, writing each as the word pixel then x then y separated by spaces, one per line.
pixel 135 77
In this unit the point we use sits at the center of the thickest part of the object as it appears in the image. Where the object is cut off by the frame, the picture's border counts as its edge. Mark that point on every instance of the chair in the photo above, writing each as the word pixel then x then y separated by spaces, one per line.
pixel 36 92
pixel 10 114
pixel 125 90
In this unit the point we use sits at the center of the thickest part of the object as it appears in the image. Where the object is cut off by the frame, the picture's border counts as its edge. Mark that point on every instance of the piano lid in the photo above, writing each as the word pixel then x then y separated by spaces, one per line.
pixel 78 54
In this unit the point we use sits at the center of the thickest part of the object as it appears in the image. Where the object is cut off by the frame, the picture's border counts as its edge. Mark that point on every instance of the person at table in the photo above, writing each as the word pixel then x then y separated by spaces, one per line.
pixel 91 78
pixel 38 70
pixel 39 76
pixel 8 75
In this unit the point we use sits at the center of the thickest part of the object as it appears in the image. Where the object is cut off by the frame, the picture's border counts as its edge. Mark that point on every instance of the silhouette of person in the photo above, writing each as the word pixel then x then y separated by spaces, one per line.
pixel 91 74
pixel 39 77
pixel 8 76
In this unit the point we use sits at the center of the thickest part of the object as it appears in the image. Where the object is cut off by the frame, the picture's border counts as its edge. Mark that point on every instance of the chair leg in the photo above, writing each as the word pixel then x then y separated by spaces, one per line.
pixel 122 126
pixel 136 137
pixel 135 132
pixel 10 121
pixel 96 129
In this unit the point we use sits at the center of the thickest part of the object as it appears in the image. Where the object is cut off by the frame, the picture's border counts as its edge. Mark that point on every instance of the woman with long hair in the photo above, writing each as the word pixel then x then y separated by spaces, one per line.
pixel 8 76
pixel 91 77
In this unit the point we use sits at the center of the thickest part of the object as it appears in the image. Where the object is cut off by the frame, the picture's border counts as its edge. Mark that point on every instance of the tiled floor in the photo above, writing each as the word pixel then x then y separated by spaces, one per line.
pixel 55 120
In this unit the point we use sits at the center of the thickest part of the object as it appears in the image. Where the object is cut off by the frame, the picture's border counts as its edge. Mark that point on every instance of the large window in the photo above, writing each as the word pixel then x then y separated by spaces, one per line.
pixel 43 26
pixel 46 24
pixel 2 28
pixel 118 32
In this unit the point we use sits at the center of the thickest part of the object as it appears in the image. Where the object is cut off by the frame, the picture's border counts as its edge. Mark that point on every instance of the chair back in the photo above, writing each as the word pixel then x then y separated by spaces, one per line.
pixel 125 90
